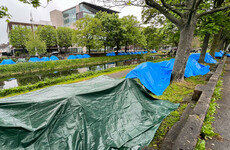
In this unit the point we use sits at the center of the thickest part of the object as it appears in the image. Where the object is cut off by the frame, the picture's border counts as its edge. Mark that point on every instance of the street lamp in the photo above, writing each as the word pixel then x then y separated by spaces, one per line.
pixel 31 20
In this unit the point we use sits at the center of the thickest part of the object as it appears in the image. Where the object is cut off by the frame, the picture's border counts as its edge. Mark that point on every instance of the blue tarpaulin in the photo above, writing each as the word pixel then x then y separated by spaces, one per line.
pixel 153 51
pixel 152 75
pixel 156 76
pixel 86 56
pixel 208 58
pixel 228 55
pixel 44 59
pixel 111 54
pixel 79 56
pixel 53 58
pixel 34 59
pixel 218 54
pixel 7 62
pixel 71 57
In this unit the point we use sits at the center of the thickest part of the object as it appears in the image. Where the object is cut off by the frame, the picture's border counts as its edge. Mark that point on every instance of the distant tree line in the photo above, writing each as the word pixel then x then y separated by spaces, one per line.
pixel 102 31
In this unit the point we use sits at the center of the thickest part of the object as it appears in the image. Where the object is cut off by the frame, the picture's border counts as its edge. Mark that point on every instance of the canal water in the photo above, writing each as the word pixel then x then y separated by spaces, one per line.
pixel 15 81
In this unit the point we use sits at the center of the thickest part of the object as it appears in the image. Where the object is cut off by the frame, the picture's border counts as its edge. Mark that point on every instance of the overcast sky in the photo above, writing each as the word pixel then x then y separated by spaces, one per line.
pixel 21 12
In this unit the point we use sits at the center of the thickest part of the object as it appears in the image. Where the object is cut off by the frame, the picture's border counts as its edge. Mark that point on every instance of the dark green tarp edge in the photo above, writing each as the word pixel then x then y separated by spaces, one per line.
pixel 98 114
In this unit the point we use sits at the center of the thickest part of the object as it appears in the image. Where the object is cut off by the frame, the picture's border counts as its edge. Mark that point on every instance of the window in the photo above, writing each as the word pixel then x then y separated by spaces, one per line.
pixel 69 16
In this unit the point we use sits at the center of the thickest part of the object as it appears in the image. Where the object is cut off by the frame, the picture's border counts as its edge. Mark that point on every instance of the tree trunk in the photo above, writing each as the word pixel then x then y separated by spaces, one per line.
pixel 89 50
pixel 104 48
pixel 204 48
pixel 222 44
pixel 126 45
pixel 117 47
pixel 215 44
pixel 226 45
pixel 184 47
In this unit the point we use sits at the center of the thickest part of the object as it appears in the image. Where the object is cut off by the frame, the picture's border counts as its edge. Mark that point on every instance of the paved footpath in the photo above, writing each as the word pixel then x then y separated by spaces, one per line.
pixel 222 117
pixel 119 74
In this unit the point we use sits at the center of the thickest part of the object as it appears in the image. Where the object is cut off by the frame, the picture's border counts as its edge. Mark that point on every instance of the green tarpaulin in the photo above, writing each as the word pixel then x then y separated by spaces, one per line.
pixel 98 114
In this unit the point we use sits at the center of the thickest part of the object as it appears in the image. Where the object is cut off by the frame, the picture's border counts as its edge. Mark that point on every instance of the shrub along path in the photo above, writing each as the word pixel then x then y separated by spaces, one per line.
pixel 222 117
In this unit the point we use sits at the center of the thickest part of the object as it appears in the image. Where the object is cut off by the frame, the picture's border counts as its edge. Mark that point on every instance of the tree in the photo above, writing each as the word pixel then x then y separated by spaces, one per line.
pixel 64 37
pixel 132 31
pixel 139 39
pixel 205 28
pixel 48 34
pixel 152 37
pixel 222 19
pixel 184 15
pixel 34 45
pixel 4 10
pixel 18 36
pixel 88 33
pixel 113 32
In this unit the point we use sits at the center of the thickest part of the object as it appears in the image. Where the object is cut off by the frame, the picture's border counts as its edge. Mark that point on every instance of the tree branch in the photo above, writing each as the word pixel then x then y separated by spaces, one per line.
pixel 171 8
pixel 198 3
pixel 213 11
pixel 162 10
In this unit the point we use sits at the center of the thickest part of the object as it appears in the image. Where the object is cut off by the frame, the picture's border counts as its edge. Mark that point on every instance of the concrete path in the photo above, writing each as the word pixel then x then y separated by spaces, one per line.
pixel 222 118
pixel 120 74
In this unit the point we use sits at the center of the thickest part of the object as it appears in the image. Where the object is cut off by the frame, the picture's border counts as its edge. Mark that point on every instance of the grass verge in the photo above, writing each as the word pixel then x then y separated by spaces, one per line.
pixel 175 93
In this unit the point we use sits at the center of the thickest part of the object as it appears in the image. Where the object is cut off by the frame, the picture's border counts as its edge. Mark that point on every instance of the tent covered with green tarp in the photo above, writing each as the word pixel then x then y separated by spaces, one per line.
pixel 98 114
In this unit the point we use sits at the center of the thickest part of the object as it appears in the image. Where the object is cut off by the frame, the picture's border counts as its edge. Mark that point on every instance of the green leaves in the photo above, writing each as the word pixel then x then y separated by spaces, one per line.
pixel 88 32
pixel 18 36
pixel 64 37
pixel 47 34
pixel 200 145
pixel 34 45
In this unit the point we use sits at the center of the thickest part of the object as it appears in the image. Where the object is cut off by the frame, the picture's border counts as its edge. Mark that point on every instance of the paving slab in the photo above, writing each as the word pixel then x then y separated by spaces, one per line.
pixel 222 117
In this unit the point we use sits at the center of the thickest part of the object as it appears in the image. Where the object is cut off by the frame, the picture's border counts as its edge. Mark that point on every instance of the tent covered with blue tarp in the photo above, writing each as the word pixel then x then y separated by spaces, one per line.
pixel 156 76
pixel 111 54
pixel 71 57
pixel 86 56
pixel 79 56
pixel 228 55
pixel 153 51
pixel 44 59
pixel 53 58
pixel 222 52
pixel 34 59
pixel 218 54
pixel 208 58
pixel 7 62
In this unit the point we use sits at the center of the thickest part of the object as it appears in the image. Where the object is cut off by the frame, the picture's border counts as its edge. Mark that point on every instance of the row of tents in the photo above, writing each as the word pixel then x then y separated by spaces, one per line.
pixel 78 56
pixel 43 59
pixel 127 53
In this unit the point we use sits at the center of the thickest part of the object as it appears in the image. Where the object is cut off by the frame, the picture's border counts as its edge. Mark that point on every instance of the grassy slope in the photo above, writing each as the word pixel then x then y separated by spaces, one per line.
pixel 175 93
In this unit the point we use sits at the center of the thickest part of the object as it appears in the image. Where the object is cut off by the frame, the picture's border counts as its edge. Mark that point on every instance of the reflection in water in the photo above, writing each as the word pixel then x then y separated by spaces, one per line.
pixel 10 84
pixel 82 70
pixel 41 76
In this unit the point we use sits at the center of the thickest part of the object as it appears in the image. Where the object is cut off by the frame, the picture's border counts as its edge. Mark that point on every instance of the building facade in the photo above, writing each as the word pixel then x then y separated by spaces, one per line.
pixel 33 26
pixel 68 17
